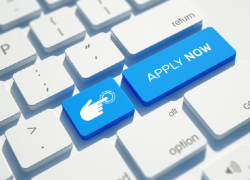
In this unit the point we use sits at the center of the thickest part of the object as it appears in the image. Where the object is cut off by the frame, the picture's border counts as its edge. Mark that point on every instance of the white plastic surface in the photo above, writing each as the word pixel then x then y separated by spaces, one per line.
pixel 221 103
pixel 57 29
pixel 99 161
pixel 142 4
pixel 15 12
pixel 161 140
pixel 152 27
pixel 101 13
pixel 231 166
pixel 6 173
pixel 94 57
pixel 43 82
pixel 15 51
pixel 229 18
pixel 38 140
pixel 9 110
pixel 56 3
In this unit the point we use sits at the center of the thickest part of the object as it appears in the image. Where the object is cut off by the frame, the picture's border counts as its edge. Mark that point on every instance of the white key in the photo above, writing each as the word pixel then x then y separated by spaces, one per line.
pixel 99 161
pixel 6 173
pixel 57 29
pixel 235 165
pixel 38 140
pixel 94 57
pixel 101 13
pixel 15 51
pixel 161 140
pixel 9 110
pixel 43 82
pixel 155 27
pixel 52 4
pixel 15 12
pixel 142 4
pixel 222 104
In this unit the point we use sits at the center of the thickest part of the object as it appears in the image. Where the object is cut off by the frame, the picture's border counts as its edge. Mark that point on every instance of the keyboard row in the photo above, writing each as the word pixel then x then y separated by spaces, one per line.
pixel 62 27
pixel 144 139
pixel 99 13
pixel 183 63
pixel 156 143
pixel 216 103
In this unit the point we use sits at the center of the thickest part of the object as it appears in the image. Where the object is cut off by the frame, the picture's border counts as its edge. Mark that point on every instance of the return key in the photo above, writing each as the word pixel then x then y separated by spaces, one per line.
pixel 176 66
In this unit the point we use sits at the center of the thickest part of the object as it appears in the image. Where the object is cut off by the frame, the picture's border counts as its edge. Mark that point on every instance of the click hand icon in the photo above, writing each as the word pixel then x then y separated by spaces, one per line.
pixel 91 111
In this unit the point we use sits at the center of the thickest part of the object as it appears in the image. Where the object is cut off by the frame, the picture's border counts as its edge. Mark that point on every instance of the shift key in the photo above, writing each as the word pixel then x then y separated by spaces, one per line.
pixel 176 66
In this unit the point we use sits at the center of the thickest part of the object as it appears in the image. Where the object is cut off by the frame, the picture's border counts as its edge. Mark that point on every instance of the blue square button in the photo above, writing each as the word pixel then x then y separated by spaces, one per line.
pixel 98 108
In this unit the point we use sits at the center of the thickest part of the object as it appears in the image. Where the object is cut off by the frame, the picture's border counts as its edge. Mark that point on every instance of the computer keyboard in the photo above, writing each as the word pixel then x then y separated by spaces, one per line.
pixel 13 13
pixel 161 140
pixel 152 29
pixel 16 51
pixel 77 100
pixel 38 140
pixel 55 29
pixel 43 82
pixel 100 57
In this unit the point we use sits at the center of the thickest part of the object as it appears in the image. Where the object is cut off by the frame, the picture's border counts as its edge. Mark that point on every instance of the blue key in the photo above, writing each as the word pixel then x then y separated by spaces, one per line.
pixel 176 66
pixel 98 108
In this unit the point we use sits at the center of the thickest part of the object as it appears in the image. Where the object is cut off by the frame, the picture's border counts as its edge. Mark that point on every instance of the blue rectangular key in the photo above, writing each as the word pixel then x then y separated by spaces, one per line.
pixel 98 108
pixel 178 65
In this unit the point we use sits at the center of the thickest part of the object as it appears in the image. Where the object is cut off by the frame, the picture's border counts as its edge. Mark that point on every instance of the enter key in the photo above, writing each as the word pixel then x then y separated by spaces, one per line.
pixel 176 66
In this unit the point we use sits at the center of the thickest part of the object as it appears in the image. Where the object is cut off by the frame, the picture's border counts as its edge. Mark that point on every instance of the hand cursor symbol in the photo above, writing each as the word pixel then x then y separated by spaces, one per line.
pixel 91 111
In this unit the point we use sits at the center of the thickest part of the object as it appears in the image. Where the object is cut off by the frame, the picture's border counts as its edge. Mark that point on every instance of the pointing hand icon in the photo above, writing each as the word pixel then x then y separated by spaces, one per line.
pixel 91 111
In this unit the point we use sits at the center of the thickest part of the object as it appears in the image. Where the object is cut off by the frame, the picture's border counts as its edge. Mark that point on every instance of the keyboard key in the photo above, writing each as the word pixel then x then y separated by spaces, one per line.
pixel 55 29
pixel 222 104
pixel 52 4
pixel 176 66
pixel 152 29
pixel 38 140
pixel 231 166
pixel 99 161
pixel 101 13
pixel 15 12
pixel 98 108
pixel 15 51
pixel 94 57
pixel 43 82
pixel 142 4
pixel 161 140
pixel 6 173
pixel 8 107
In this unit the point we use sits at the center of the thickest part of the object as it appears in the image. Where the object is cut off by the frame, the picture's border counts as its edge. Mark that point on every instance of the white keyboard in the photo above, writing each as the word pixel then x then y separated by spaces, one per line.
pixel 73 93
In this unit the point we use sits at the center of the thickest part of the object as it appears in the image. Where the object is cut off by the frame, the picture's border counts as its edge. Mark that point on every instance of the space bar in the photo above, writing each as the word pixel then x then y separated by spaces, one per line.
pixel 155 27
